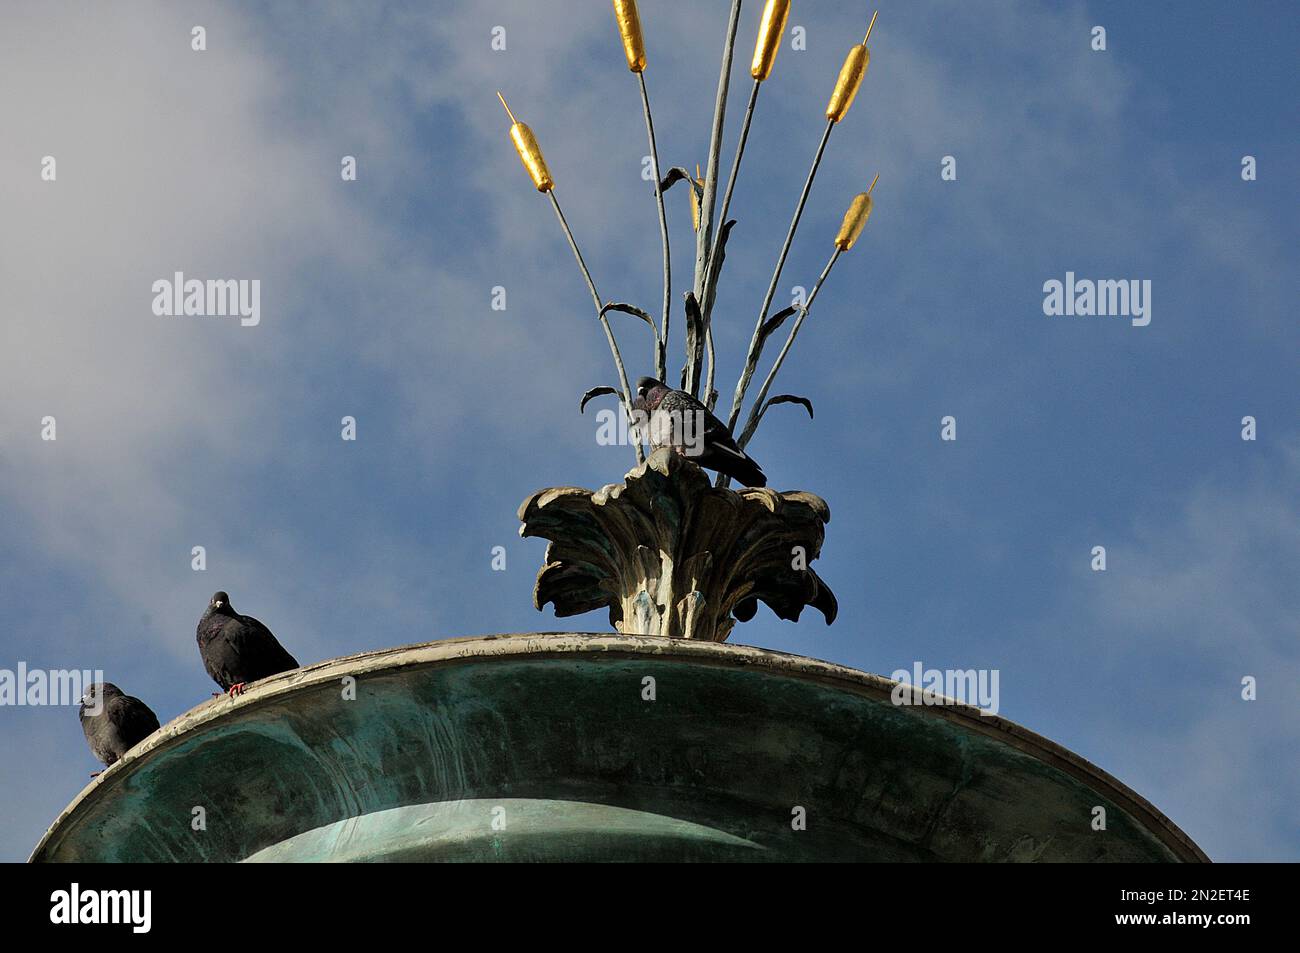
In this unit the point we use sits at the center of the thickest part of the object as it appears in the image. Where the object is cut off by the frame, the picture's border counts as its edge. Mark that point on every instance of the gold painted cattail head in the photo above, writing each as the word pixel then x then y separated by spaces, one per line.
pixel 629 28
pixel 855 219
pixel 695 199
pixel 850 78
pixel 770 30
pixel 530 153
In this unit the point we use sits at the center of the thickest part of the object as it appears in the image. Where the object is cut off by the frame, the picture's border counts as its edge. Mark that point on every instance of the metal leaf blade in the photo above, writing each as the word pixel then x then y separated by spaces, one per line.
pixel 596 392
pixel 694 344
pixel 625 308
pixel 677 174
pixel 774 322
pixel 790 399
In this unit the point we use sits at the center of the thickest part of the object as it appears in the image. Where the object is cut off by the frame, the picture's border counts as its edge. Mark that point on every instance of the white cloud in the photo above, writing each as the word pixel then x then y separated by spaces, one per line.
pixel 1194 599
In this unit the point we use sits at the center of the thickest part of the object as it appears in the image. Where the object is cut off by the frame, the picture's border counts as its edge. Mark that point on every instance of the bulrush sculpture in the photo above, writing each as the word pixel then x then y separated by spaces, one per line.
pixel 665 551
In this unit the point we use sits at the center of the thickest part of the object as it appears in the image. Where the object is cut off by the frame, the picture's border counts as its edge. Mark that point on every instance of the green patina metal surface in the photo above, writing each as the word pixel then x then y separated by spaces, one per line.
pixel 508 829
pixel 544 747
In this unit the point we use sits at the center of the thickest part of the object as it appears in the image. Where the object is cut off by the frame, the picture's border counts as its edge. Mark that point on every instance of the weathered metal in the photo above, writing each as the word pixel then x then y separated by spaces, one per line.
pixel 564 746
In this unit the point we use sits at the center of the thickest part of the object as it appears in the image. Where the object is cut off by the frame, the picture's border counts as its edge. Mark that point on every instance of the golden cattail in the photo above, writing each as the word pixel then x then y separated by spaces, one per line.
pixel 629 27
pixel 850 78
pixel 530 153
pixel 846 87
pixel 695 199
pixel 855 219
pixel 770 30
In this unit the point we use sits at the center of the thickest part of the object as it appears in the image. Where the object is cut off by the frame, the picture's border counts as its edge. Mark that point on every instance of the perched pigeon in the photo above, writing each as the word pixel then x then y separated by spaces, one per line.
pixel 114 723
pixel 679 421
pixel 237 649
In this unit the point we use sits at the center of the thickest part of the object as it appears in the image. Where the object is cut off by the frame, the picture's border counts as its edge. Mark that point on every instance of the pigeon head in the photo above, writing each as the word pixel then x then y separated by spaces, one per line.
pixel 220 603
pixel 649 391
pixel 97 694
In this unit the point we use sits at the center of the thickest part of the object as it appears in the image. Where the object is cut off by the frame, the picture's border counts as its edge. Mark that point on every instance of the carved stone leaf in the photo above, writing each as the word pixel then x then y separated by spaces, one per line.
pixel 671 555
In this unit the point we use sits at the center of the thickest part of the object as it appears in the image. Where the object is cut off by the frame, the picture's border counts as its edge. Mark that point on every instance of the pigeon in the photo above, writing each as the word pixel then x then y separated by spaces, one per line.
pixel 680 422
pixel 114 723
pixel 237 649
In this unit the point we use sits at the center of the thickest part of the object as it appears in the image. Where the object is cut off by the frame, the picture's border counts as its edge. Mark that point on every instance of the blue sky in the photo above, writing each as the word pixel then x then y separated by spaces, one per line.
pixel 1072 431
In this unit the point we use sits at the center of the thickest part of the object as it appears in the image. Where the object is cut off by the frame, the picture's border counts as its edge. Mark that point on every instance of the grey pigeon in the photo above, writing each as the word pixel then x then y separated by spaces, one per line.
pixel 114 723
pixel 237 649
pixel 678 421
